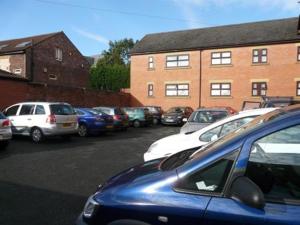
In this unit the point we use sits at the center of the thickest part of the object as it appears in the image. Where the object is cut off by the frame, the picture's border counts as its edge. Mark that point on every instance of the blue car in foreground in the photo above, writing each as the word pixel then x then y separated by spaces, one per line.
pixel 91 121
pixel 250 176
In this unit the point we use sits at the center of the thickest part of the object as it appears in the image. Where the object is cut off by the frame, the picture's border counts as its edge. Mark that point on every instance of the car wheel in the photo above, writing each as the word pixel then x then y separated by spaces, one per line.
pixel 3 145
pixel 136 123
pixel 82 130
pixel 36 135
pixel 155 121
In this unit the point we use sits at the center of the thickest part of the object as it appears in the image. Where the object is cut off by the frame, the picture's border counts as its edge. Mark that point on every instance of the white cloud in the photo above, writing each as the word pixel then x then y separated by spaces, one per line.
pixel 92 36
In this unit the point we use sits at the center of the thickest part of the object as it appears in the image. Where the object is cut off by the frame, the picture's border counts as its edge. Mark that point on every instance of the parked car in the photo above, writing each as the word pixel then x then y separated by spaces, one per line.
pixel 250 176
pixel 90 121
pixel 5 131
pixel 179 142
pixel 203 117
pixel 156 112
pixel 176 115
pixel 138 116
pixel 41 119
pixel 121 119
pixel 270 101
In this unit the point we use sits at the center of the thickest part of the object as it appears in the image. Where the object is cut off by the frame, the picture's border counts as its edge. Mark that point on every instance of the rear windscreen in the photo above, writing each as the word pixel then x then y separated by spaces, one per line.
pixel 119 111
pixel 61 109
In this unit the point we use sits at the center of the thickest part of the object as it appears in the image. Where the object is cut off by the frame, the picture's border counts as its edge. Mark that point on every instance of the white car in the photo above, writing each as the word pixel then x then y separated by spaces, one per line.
pixel 40 119
pixel 5 131
pixel 179 142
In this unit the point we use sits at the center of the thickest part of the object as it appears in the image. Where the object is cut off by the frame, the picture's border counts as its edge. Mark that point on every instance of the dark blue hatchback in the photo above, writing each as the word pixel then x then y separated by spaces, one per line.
pixel 250 176
pixel 93 122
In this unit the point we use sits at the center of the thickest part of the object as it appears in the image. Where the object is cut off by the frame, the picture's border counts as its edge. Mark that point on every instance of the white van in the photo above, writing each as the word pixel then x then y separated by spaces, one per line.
pixel 40 119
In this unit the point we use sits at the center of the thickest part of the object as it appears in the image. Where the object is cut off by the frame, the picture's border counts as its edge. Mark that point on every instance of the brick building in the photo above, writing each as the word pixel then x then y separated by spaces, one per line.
pixel 47 59
pixel 217 66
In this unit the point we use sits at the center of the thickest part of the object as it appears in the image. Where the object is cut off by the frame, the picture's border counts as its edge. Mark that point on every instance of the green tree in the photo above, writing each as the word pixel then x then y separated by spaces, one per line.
pixel 112 71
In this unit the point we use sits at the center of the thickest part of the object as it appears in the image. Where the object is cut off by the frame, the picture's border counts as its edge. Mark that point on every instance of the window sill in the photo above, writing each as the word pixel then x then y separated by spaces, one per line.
pixel 221 97
pixel 260 64
pixel 150 96
pixel 221 65
pixel 256 97
pixel 178 97
pixel 178 68
pixel 151 69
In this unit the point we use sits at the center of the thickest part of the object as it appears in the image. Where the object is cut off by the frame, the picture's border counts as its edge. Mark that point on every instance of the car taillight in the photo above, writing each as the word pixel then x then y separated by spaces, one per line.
pixel 117 117
pixel 51 119
pixel 6 123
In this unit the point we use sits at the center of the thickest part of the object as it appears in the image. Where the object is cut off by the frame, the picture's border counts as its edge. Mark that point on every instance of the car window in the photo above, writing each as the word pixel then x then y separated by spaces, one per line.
pixel 274 164
pixel 61 109
pixel 92 111
pixel 209 179
pixel 2 115
pixel 12 111
pixel 119 111
pixel 176 110
pixel 207 116
pixel 40 110
pixel 79 112
pixel 233 125
pixel 26 110
pixel 208 136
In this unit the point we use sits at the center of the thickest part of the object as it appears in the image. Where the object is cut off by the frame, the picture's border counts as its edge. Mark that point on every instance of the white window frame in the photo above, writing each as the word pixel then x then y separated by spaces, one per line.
pixel 58 54
pixel 174 90
pixel 174 61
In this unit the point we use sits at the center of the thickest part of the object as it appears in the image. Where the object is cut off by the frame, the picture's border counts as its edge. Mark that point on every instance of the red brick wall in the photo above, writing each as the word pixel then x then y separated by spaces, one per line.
pixel 14 91
pixel 73 70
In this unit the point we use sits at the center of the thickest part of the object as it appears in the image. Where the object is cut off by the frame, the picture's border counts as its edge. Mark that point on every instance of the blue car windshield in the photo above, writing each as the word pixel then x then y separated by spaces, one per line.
pixel 182 157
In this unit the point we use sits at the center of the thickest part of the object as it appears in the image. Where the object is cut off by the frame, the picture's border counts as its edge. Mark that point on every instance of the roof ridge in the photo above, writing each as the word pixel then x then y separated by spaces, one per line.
pixel 224 26
pixel 33 36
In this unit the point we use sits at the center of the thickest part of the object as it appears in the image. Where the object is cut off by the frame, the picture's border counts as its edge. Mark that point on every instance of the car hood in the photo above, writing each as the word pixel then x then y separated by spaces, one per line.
pixel 174 143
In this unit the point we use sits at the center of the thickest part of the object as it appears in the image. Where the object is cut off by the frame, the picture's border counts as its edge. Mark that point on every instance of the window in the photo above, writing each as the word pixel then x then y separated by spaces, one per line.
pixel 12 111
pixel 150 90
pixel 259 89
pixel 58 54
pixel 178 61
pixel 150 62
pixel 298 54
pixel 52 77
pixel 18 71
pixel 298 88
pixel 260 56
pixel 220 58
pixel 177 90
pixel 210 179
pixel 40 110
pixel 220 89
pixel 224 129
pixel 274 165
pixel 206 116
pixel 27 110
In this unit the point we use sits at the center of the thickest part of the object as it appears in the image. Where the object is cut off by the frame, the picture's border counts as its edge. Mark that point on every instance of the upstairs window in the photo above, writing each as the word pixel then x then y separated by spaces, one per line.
pixel 221 58
pixel 150 90
pixel 298 54
pixel 178 61
pixel 259 89
pixel 298 88
pixel 150 62
pixel 58 54
pixel 260 56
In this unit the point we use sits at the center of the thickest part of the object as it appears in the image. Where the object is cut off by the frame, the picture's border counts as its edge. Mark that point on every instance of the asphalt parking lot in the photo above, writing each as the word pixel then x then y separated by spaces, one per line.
pixel 48 183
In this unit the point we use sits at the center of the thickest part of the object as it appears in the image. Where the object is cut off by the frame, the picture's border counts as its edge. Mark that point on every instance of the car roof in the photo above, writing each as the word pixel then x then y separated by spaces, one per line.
pixel 242 114
pixel 35 103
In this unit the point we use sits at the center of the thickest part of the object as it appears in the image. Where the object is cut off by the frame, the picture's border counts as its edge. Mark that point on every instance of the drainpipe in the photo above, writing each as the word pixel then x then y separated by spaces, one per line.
pixel 200 78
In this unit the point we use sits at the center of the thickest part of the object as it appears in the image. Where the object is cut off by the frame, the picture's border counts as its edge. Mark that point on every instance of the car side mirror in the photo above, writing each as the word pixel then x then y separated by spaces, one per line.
pixel 247 192
pixel 184 120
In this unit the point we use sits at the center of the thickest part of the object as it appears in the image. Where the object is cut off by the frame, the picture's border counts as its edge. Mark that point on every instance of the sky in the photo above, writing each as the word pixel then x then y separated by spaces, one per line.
pixel 91 24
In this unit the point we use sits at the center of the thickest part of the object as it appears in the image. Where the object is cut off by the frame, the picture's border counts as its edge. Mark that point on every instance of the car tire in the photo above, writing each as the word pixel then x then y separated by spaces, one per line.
pixel 136 123
pixel 82 130
pixel 36 135
pixel 3 145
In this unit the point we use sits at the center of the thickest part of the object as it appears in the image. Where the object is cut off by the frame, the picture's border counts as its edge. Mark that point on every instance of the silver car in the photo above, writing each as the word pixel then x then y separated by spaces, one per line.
pixel 5 131
pixel 203 117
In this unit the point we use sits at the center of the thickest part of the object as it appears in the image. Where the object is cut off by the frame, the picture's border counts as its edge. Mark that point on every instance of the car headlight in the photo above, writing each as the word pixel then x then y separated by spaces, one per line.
pixel 90 207
pixel 152 147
